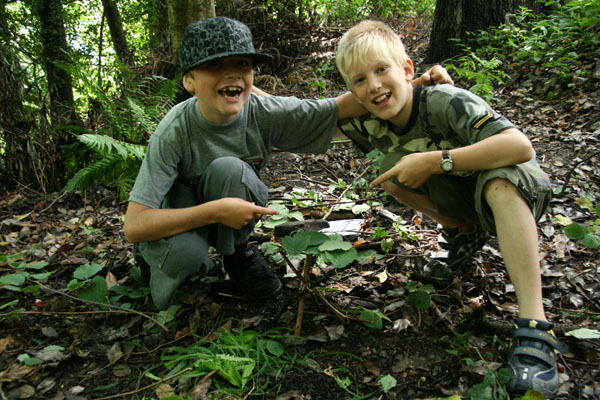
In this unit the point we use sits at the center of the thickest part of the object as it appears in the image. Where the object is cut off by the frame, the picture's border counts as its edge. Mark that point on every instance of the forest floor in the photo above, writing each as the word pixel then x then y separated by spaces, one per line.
pixel 89 352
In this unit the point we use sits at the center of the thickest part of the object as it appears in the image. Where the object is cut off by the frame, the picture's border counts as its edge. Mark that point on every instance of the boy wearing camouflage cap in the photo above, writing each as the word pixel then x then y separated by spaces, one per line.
pixel 450 156
pixel 199 184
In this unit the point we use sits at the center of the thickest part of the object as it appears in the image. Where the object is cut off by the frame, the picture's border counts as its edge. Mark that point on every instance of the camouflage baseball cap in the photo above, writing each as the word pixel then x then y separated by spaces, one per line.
pixel 213 38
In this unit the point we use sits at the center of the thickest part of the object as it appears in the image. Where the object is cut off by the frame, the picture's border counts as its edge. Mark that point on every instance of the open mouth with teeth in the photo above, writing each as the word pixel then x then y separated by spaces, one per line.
pixel 382 98
pixel 231 92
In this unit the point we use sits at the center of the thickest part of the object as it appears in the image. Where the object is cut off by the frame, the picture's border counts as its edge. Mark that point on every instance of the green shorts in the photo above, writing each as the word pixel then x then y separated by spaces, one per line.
pixel 461 197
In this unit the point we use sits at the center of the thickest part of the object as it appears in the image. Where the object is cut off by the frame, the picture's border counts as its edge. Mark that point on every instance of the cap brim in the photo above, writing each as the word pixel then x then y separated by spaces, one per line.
pixel 257 58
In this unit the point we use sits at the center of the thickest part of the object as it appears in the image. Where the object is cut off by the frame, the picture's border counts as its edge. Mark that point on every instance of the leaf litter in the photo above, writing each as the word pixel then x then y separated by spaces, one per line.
pixel 59 347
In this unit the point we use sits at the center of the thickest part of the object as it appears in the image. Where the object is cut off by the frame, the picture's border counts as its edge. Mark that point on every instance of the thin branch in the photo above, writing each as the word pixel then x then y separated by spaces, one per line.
pixel 114 309
pixel 150 386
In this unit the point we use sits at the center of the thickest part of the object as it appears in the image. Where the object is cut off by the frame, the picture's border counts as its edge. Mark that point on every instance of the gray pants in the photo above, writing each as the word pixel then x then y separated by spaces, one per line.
pixel 175 259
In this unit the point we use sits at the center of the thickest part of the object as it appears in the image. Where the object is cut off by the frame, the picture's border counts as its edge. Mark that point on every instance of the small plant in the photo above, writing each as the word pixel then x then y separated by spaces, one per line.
pixel 285 215
pixel 331 249
pixel 238 359
pixel 493 385
pixel 15 281
pixel 318 81
pixel 420 295
pixel 483 75
pixel 586 233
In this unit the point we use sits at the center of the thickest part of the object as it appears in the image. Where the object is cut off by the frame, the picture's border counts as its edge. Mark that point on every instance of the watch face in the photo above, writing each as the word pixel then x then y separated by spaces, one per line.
pixel 446 165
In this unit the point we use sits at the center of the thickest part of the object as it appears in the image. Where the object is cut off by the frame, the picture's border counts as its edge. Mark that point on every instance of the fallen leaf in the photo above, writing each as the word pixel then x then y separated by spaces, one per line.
pixel 164 390
pixel 382 276
pixel 110 280
pixel 114 353
pixel 22 392
pixel 121 370
pixel 5 342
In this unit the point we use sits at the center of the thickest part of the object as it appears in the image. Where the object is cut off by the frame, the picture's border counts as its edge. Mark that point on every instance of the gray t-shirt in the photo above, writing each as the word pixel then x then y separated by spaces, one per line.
pixel 442 117
pixel 184 143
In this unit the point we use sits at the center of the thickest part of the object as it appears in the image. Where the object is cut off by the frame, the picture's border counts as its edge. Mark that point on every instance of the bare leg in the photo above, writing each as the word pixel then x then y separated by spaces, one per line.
pixel 518 240
pixel 419 202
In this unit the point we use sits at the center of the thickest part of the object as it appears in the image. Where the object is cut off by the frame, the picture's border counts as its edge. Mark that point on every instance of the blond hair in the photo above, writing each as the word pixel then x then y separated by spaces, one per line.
pixel 367 41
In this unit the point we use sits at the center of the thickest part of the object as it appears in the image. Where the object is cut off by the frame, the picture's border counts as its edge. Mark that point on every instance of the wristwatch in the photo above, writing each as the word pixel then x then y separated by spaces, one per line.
pixel 447 165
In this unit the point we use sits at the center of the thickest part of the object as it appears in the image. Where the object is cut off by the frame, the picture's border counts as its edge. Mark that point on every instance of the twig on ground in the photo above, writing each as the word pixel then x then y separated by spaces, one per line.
pixel 341 196
pixel 112 308
pixel 126 394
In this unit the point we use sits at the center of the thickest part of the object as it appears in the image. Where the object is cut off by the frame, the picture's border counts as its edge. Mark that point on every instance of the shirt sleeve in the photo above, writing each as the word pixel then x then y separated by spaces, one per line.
pixel 157 173
pixel 463 118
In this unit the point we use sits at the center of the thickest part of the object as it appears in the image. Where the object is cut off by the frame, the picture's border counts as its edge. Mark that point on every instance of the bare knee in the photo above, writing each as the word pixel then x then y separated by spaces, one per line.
pixel 499 190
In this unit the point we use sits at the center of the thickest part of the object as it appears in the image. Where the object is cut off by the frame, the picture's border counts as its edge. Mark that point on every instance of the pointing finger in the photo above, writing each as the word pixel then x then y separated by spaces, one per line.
pixel 382 178
pixel 264 211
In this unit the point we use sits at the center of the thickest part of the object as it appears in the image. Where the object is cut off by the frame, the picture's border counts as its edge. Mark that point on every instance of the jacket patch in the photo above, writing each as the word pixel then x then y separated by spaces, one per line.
pixel 480 123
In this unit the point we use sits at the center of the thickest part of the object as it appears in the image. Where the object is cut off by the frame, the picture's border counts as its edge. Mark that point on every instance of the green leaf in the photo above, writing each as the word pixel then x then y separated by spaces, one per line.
pixel 274 221
pixel 360 208
pixel 481 392
pixel 584 333
pixel 274 347
pixel 28 360
pixel 598 210
pixel 297 215
pixel 387 382
pixel 168 315
pixel 340 259
pixel 562 220
pixel 36 265
pixel 96 290
pixel 317 238
pixel 331 245
pixel 74 284
pixel 591 241
pixel 42 276
pixel 420 299
pixel 504 376
pixel 86 271
pixel 13 279
pixel 372 318
pixel 295 245
pixel 575 231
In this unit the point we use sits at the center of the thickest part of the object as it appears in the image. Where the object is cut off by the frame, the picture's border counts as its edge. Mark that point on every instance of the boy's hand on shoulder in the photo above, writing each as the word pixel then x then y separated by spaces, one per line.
pixel 435 76
pixel 237 213
pixel 412 170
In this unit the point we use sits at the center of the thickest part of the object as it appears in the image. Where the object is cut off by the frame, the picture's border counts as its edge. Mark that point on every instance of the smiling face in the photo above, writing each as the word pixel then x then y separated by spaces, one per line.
pixel 383 87
pixel 221 86
pixel 376 68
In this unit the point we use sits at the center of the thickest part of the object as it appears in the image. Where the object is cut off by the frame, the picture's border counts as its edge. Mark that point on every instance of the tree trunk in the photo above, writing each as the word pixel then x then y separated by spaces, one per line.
pixel 454 18
pixel 117 34
pixel 19 154
pixel 55 52
pixel 182 13
pixel 162 60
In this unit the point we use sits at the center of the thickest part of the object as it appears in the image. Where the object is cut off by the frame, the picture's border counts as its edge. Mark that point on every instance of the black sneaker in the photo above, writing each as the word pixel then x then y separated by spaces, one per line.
pixel 250 275
pixel 532 357
pixel 460 246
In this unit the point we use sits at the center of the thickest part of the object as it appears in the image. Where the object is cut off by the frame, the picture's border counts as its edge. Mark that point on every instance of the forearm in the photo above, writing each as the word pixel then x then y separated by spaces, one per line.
pixel 145 224
pixel 259 92
pixel 507 148
pixel 349 107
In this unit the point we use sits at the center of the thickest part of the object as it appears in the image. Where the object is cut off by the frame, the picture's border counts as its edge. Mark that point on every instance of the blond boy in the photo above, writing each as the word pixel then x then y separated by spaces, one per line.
pixel 453 158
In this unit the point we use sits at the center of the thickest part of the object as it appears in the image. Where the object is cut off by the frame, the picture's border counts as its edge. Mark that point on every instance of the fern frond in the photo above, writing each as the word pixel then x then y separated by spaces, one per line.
pixel 140 115
pixel 105 145
pixel 111 168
